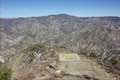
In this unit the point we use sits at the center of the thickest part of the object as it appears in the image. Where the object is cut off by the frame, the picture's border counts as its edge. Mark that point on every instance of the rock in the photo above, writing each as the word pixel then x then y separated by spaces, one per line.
pixel 1 59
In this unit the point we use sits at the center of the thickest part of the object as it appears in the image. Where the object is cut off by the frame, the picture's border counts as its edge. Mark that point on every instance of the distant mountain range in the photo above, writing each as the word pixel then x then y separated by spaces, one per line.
pixel 93 36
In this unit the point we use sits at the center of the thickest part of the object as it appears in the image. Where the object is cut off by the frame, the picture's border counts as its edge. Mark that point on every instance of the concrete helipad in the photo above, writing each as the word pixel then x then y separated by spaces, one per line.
pixel 69 57
pixel 74 64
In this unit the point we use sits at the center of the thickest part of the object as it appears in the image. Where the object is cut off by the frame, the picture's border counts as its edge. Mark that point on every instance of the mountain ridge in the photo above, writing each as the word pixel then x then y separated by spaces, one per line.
pixel 65 15
pixel 97 37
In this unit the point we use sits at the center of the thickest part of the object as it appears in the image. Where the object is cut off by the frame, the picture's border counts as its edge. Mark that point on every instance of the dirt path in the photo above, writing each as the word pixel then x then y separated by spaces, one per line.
pixel 84 66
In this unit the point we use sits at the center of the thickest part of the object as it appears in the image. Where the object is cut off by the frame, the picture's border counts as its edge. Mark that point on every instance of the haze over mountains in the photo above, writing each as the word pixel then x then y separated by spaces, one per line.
pixel 97 37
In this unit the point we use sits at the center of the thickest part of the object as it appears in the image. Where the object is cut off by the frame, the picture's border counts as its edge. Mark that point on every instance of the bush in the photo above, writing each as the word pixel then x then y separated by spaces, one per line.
pixel 29 52
pixel 83 53
pixel 93 55
pixel 36 48
pixel 5 73
pixel 113 61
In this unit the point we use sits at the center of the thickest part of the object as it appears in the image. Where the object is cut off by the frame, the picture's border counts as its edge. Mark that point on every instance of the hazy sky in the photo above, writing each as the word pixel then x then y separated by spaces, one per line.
pixel 26 8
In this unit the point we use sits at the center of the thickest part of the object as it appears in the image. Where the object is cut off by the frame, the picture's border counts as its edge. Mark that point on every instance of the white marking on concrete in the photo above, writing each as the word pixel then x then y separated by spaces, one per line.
pixel 69 57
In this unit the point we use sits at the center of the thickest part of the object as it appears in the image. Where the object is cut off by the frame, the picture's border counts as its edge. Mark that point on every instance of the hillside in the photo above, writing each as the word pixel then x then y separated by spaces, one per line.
pixel 96 37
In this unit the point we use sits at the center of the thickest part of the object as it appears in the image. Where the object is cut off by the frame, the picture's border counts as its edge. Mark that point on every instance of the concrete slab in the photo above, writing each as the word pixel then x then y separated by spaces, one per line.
pixel 75 64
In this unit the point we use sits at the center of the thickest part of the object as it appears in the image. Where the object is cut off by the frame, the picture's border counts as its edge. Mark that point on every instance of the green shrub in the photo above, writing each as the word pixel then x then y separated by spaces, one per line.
pixel 114 61
pixel 5 73
pixel 83 53
pixel 29 52
pixel 36 48
pixel 93 55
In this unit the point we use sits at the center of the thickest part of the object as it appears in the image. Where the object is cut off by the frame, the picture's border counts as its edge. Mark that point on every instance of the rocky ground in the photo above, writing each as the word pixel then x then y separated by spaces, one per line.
pixel 50 67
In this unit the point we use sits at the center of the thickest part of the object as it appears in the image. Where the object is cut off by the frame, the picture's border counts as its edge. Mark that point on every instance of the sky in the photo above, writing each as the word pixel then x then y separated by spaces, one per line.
pixel 32 8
